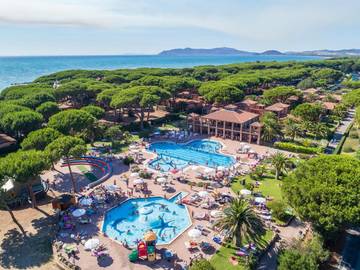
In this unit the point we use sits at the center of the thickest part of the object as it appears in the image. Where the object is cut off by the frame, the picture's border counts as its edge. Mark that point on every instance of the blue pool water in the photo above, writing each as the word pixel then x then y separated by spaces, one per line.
pixel 178 156
pixel 132 219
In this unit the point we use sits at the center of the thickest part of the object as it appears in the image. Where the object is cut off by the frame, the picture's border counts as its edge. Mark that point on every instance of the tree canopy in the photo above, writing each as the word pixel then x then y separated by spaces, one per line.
pixel 48 109
pixel 40 138
pixel 325 191
pixel 221 92
pixel 95 111
pixel 279 94
pixel 308 111
pixel 71 122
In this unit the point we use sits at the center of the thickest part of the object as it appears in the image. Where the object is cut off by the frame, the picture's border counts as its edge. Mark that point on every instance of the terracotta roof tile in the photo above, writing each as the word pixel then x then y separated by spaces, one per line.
pixel 231 116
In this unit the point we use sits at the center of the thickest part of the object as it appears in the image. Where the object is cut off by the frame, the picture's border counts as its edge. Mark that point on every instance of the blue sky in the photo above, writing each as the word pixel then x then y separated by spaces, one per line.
pixel 68 27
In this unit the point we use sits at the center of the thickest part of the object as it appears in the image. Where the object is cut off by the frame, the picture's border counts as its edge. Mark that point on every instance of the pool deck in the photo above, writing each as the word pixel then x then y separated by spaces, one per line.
pixel 119 254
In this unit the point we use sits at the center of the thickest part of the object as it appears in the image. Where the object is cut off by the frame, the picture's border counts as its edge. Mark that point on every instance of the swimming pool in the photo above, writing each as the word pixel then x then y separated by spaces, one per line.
pixel 351 252
pixel 132 219
pixel 199 152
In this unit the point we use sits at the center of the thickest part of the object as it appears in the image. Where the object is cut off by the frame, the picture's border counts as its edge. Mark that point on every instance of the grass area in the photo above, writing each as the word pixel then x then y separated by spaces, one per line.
pixel 269 186
pixel 89 175
pixel 221 258
pixel 117 146
pixel 352 142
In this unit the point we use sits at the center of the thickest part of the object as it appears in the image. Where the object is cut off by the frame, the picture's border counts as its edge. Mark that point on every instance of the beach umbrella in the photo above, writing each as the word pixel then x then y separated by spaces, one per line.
pixel 221 168
pixel 245 192
pixel 79 212
pixel 209 170
pixel 86 201
pixel 111 188
pixel 91 244
pixel 203 193
pixel 134 175
pixel 194 233
pixel 216 185
pixel 251 151
pixel 161 180
pixel 138 181
pixel 260 200
pixel 132 147
pixel 216 213
pixel 174 171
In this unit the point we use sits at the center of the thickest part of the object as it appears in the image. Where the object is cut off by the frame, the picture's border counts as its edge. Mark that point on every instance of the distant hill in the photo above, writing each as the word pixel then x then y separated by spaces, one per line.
pixel 232 51
pixel 214 51
pixel 272 52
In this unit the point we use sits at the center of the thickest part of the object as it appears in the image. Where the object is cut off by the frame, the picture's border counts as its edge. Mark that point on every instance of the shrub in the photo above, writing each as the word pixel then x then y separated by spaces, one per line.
pixel 145 175
pixel 348 149
pixel 128 160
pixel 298 148
pixel 278 210
pixel 200 184
pixel 201 264
pixel 354 134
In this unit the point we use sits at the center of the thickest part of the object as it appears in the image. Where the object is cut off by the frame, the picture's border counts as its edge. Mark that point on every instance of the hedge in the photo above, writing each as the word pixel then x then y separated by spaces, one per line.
pixel 298 148
pixel 338 148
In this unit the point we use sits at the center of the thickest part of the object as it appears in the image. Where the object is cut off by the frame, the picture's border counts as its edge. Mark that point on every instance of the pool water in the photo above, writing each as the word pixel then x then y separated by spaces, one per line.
pixel 351 253
pixel 132 219
pixel 199 152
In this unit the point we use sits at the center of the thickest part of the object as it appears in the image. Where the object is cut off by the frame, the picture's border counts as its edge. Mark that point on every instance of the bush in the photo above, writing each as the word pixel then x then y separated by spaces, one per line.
pixel 145 175
pixel 278 210
pixel 348 149
pixel 128 160
pixel 298 148
pixel 201 264
pixel 200 184
pixel 354 134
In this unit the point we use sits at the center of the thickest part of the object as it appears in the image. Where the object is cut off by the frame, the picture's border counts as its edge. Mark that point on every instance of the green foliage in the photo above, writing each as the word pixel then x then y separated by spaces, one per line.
pixel 6 108
pixel 241 222
pixel 95 111
pixel 220 92
pixel 280 94
pixel 35 99
pixel 324 191
pixel 352 98
pixel 348 149
pixel 271 127
pixel 303 256
pixel 201 264
pixel 292 147
pixel 40 138
pixel 72 122
pixel 19 91
pixel 308 111
pixel 20 123
pixel 278 210
pixel 306 84
pixel 326 76
pixel 65 146
pixel 114 133
pixel 128 160
pixel 357 116
pixel 292 128
pixel 48 109
pixel 280 162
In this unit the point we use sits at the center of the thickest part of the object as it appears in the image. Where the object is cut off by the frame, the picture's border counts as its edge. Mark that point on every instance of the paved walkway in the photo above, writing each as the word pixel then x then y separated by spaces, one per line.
pixel 340 131
pixel 269 260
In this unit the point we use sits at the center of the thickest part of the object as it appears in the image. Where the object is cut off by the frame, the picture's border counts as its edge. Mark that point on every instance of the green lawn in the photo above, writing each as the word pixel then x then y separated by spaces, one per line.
pixel 89 175
pixel 220 260
pixel 269 186
pixel 351 143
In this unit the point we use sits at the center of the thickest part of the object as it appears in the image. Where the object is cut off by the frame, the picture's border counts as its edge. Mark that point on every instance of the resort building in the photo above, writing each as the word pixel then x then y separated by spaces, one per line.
pixel 280 109
pixel 251 106
pixel 6 142
pixel 329 106
pixel 228 124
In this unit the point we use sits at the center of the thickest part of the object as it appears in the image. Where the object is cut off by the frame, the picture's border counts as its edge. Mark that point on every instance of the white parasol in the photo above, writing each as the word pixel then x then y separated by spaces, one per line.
pixel 260 200
pixel 216 214
pixel 161 180
pixel 111 188
pixel 134 175
pixel 221 168
pixel 86 201
pixel 203 193
pixel 79 212
pixel 245 192
pixel 138 181
pixel 194 233
pixel 91 244
pixel 209 170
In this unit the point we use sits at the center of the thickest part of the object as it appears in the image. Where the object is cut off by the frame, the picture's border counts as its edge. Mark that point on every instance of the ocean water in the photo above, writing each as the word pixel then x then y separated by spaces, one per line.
pixel 26 69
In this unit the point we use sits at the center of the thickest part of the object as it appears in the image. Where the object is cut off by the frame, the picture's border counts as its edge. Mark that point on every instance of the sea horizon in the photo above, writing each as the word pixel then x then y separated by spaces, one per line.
pixel 24 69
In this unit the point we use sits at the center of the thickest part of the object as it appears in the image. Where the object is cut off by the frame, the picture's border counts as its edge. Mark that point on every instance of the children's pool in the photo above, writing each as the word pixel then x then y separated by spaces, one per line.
pixel 199 152
pixel 129 221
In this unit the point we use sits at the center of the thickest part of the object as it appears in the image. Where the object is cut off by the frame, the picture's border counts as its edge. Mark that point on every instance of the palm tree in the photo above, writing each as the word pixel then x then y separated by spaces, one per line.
pixel 292 129
pixel 279 161
pixel 241 222
pixel 271 128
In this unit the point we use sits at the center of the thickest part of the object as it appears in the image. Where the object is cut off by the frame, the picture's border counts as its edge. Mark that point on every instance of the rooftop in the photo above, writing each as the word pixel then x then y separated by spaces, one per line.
pixel 329 105
pixel 6 140
pixel 249 102
pixel 277 107
pixel 231 116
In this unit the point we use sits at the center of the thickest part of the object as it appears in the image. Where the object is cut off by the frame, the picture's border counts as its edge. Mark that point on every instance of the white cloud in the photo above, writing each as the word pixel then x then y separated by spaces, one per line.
pixel 264 21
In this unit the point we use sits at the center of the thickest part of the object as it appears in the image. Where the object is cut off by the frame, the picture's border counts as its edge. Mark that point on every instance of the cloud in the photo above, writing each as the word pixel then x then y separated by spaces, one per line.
pixel 264 20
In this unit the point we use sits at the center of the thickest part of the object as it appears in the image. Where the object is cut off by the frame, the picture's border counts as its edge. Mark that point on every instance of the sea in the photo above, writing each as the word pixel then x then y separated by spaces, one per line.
pixel 16 70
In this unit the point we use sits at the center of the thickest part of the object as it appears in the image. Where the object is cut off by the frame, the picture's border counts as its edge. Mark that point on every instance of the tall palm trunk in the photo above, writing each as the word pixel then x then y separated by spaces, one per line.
pixel 71 175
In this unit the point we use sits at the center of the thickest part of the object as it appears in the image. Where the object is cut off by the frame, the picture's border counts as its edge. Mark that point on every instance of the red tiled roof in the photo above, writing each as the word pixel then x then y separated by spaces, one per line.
pixel 231 107
pixel 329 105
pixel 277 107
pixel 249 102
pixel 231 116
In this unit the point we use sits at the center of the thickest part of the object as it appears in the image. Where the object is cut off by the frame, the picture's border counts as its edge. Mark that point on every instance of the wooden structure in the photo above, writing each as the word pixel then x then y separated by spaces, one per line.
pixel 228 124
pixel 280 109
